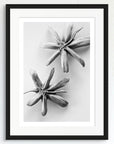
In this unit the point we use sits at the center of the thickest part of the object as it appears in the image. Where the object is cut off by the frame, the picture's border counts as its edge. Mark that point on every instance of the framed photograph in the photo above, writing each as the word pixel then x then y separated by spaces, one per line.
pixel 57 71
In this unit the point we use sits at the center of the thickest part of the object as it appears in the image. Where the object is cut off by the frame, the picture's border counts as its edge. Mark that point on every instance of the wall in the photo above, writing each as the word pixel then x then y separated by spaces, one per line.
pixel 2 69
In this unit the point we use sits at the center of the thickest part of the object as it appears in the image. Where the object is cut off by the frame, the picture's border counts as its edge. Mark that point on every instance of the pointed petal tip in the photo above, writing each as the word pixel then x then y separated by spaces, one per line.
pixel 65 104
pixel 28 104
pixel 32 91
pixel 48 64
pixel 44 113
pixel 81 28
pixel 26 92
pixel 65 70
pixel 68 79
pixel 53 69
pixel 83 63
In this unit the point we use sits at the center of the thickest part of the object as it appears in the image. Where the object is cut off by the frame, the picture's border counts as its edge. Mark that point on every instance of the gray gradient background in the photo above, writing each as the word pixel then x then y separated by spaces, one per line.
pixel 35 58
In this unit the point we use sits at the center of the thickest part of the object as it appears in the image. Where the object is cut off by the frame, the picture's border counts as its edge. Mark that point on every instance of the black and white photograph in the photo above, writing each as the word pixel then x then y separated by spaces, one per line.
pixel 56 72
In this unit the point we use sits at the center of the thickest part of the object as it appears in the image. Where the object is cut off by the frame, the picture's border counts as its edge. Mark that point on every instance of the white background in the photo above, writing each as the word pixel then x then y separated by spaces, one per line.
pixel 35 57
pixel 2 73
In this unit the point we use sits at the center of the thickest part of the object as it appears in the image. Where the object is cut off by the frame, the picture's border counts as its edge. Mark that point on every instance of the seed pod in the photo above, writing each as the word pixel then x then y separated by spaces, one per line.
pixel 69 33
pixel 60 84
pixel 64 61
pixel 32 91
pixel 36 79
pixel 44 105
pixel 53 57
pixel 58 92
pixel 76 56
pixel 51 45
pixel 78 44
pixel 47 84
pixel 74 34
pixel 34 100
pixel 45 91
pixel 58 100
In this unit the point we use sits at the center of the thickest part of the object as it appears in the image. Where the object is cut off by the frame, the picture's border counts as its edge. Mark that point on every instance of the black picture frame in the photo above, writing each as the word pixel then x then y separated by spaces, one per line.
pixel 57 6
